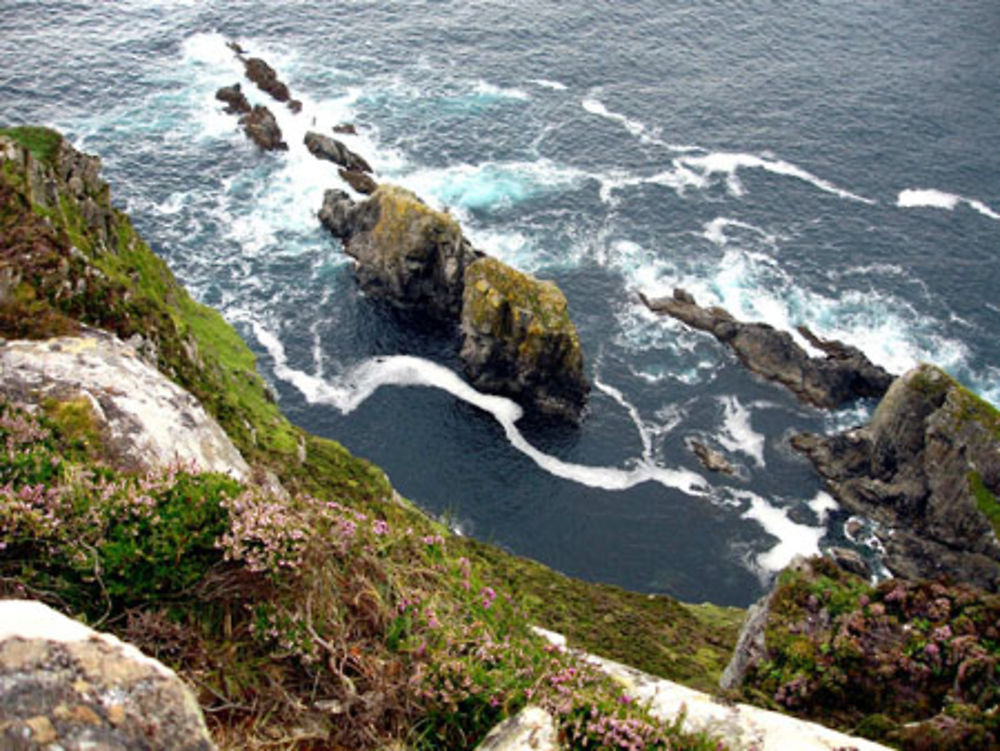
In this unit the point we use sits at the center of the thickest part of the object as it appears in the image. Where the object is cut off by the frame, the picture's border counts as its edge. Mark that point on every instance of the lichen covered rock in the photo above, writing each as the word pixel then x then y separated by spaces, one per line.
pixel 518 339
pixel 141 420
pixel 927 467
pixel 406 252
pixel 63 685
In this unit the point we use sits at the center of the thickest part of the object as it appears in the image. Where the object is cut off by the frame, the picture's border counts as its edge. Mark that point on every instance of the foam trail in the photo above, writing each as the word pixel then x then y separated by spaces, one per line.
pixel 737 434
pixel 729 163
pixel 715 230
pixel 939 199
pixel 618 396
pixel 359 383
pixel 637 129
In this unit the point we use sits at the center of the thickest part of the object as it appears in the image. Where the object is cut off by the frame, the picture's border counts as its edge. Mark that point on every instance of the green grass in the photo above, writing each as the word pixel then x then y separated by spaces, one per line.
pixel 43 143
pixel 986 502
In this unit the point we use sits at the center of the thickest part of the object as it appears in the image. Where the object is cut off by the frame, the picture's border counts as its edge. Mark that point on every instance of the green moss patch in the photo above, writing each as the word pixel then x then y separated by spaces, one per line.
pixel 986 502
pixel 43 143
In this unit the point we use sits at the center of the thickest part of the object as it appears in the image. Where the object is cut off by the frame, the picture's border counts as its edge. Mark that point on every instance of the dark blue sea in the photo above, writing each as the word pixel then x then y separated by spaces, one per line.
pixel 835 164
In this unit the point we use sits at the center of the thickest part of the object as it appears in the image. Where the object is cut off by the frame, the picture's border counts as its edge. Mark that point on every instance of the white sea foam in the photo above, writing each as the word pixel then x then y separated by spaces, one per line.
pixel 939 199
pixel 729 164
pixel 715 230
pixel 822 505
pixel 596 107
pixel 793 538
pixel 546 83
pixel 492 91
pixel 737 434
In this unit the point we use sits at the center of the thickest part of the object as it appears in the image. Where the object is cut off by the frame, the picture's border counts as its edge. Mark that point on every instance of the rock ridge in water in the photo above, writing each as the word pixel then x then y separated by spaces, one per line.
pixel 843 375
pixel 927 468
pixel 332 150
pixel 262 128
pixel 518 339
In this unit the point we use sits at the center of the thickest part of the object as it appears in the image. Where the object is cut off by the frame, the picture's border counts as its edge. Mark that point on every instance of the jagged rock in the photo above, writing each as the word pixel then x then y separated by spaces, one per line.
pixel 518 339
pixel 266 78
pixel 295 106
pixel 531 729
pixel 235 99
pixel 261 128
pixel 235 47
pixel 346 129
pixel 361 182
pixel 843 375
pixel 711 459
pixel 324 147
pixel 406 252
pixel 927 467
pixel 142 420
pixel 66 686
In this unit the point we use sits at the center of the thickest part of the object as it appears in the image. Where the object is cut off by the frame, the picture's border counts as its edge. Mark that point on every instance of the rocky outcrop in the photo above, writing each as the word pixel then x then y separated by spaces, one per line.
pixel 332 150
pixel 843 375
pixel 345 128
pixel 262 128
pixel 517 339
pixel 266 78
pixel 65 686
pixel 235 99
pixel 142 420
pixel 927 469
pixel 406 252
pixel 531 729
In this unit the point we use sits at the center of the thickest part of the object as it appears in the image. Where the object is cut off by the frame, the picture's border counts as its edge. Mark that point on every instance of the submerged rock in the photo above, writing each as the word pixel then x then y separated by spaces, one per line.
pixel 927 468
pixel 843 375
pixel 66 686
pixel 711 459
pixel 332 150
pixel 406 252
pixel 141 420
pixel 518 339
pixel 346 128
pixel 235 99
pixel 262 128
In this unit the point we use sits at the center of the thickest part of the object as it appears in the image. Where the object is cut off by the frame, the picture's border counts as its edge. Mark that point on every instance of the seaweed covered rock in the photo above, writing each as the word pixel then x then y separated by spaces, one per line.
pixel 518 339
pixel 927 467
pixel 234 98
pixel 262 128
pixel 332 150
pixel 911 662
pixel 406 252
pixel 843 374
pixel 64 685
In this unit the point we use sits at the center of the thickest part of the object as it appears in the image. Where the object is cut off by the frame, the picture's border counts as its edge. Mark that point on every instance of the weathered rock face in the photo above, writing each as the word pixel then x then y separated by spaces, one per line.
pixel 261 127
pixel 332 150
pixel 406 252
pixel 266 78
pixel 518 339
pixel 63 685
pixel 144 421
pixel 711 459
pixel 927 467
pixel 843 375
pixel 235 99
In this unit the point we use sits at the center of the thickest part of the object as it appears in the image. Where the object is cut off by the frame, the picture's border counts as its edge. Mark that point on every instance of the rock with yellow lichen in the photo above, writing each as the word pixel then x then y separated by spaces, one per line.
pixel 518 339
pixel 406 252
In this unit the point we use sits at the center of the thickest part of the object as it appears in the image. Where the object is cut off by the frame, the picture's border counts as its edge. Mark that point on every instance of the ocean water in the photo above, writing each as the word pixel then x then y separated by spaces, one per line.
pixel 832 164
